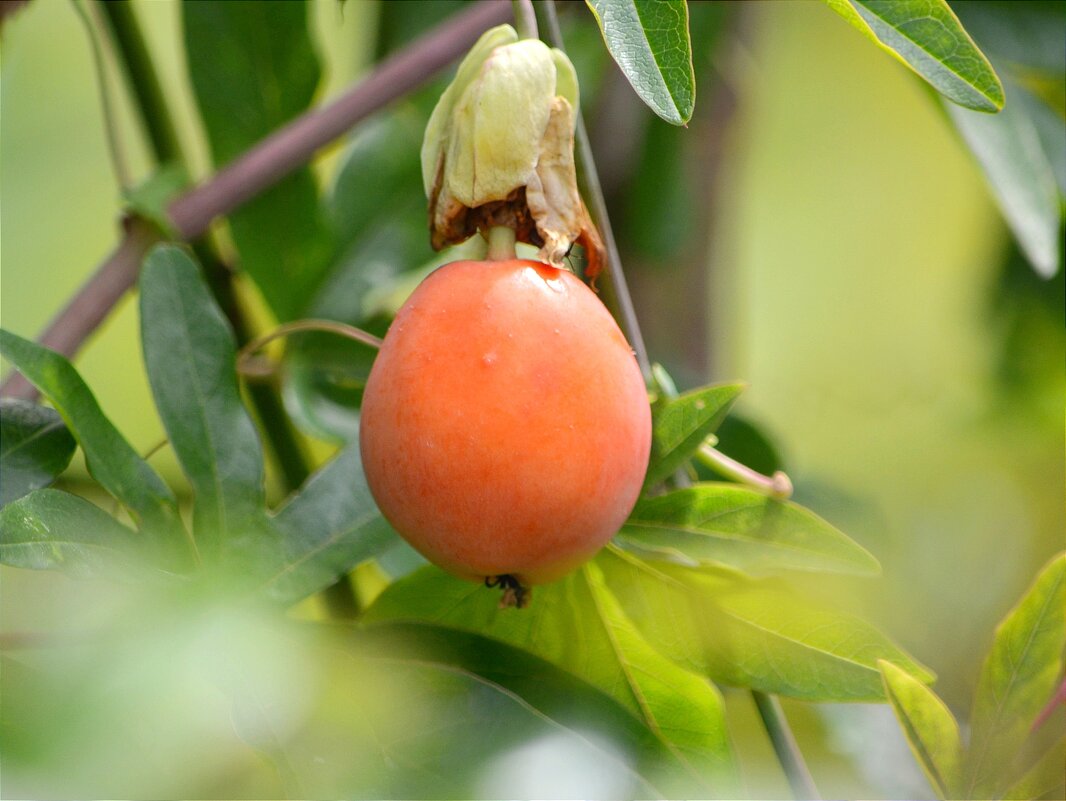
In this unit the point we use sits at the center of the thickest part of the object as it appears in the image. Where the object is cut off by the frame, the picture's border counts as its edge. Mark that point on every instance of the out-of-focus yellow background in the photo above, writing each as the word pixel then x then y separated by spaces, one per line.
pixel 852 274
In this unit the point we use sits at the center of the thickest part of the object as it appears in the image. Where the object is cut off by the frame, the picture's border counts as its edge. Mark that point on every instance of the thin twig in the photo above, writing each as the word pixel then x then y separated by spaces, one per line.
pixel 626 313
pixel 246 366
pixel 788 753
pixel 111 134
pixel 266 163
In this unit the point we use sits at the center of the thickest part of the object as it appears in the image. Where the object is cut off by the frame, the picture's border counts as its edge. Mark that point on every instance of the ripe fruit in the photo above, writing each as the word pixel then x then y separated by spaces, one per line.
pixel 505 425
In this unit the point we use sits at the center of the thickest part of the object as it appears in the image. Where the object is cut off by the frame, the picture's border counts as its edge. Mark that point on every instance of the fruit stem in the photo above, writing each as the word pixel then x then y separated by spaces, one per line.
pixel 501 241
pixel 777 486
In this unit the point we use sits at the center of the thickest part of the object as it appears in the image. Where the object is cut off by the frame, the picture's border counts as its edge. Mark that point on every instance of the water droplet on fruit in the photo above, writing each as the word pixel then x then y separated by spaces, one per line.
pixel 556 332
pixel 489 359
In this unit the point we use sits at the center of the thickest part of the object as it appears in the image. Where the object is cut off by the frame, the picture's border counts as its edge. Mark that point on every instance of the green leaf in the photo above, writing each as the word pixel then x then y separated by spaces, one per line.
pixel 762 636
pixel 1020 175
pixel 327 529
pixel 578 626
pixel 931 730
pixel 151 198
pixel 190 353
pixel 651 44
pixel 53 530
pixel 1045 779
pixel 1026 33
pixel 563 700
pixel 253 68
pixel 35 447
pixel 926 36
pixel 1017 678
pixel 680 425
pixel 731 525
pixel 110 459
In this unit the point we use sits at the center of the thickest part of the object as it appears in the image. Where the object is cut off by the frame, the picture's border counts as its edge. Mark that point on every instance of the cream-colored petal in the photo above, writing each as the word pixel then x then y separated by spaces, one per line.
pixel 498 123
pixel 434 141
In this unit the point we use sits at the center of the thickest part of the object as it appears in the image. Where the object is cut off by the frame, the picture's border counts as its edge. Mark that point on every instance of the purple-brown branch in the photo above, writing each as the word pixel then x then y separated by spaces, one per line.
pixel 258 169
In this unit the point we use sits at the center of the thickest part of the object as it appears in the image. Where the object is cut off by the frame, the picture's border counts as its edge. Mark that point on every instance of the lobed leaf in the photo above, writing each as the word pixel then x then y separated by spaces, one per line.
pixel 732 525
pixel 54 530
pixel 577 625
pixel 927 37
pixel 650 42
pixel 253 68
pixel 110 458
pixel 35 447
pixel 931 730
pixel 681 424
pixel 327 529
pixel 190 353
pixel 1017 678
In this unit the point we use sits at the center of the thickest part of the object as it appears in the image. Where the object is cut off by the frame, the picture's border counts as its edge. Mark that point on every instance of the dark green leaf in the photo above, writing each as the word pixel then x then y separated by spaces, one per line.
pixel 1017 679
pixel 680 425
pixel 1046 778
pixel 1027 33
pixel 190 353
pixel 1008 147
pixel 931 730
pixel 650 42
pixel 253 68
pixel 35 447
pixel 110 459
pixel 578 626
pixel 755 634
pixel 731 525
pixel 53 530
pixel 746 442
pixel 927 37
pixel 328 528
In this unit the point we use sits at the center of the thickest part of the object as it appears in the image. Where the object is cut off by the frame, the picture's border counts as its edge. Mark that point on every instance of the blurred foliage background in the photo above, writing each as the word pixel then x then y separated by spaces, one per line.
pixel 818 230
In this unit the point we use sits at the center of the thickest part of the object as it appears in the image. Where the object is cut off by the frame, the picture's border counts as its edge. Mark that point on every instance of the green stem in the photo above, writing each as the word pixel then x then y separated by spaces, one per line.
pixel 114 142
pixel 778 486
pixel 248 351
pixel 143 80
pixel 788 753
pixel 525 19
pixel 280 434
pixel 501 241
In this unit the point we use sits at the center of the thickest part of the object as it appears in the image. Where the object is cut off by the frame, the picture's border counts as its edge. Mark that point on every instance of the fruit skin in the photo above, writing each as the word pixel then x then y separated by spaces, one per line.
pixel 505 425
